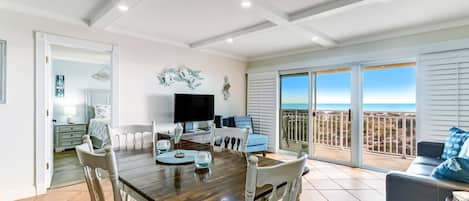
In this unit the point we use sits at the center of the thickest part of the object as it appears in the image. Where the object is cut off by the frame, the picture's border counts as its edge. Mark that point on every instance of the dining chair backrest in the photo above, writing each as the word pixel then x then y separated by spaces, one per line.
pixel 132 137
pixel 91 163
pixel 288 173
pixel 234 139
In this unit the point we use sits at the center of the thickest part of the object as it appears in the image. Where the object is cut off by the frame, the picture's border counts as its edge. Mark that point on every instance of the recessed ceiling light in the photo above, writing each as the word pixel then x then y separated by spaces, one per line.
pixel 246 4
pixel 315 38
pixel 229 40
pixel 122 7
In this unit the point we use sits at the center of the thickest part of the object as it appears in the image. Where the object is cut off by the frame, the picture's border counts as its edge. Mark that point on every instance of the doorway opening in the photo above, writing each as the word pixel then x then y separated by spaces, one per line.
pixel 73 78
pixel 81 81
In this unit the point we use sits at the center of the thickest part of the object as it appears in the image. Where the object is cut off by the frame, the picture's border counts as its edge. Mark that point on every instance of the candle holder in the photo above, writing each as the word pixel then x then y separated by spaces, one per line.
pixel 177 138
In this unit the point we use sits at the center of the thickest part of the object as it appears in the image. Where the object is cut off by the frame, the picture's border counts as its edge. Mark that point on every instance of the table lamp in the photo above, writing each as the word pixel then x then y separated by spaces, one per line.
pixel 70 112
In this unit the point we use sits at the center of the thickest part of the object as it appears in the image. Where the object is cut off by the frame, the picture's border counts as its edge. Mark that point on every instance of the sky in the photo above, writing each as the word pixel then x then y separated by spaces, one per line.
pixel 384 86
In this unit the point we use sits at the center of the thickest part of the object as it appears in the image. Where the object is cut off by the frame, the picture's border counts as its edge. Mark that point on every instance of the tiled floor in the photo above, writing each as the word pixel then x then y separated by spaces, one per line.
pixel 333 182
pixel 325 182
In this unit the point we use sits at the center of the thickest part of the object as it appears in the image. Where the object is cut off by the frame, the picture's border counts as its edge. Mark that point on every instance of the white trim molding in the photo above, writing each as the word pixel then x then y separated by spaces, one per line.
pixel 43 42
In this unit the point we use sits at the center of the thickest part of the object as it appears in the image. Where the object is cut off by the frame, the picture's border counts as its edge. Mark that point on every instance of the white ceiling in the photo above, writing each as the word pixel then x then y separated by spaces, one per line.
pixel 78 9
pixel 265 43
pixel 388 16
pixel 187 20
pixel 269 27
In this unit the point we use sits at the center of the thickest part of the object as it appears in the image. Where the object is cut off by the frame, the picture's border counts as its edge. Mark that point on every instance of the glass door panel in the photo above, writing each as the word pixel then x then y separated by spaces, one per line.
pixel 389 118
pixel 331 133
pixel 294 111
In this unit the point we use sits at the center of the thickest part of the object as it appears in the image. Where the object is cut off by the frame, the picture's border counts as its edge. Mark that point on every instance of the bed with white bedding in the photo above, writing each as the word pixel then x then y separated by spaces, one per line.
pixel 99 115
pixel 97 131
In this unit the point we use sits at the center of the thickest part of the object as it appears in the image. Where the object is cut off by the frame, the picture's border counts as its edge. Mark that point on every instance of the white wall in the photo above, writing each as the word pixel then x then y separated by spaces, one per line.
pixel 77 81
pixel 141 98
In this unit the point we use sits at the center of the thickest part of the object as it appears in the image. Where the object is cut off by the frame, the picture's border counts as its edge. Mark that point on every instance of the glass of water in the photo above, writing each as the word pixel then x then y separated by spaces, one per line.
pixel 163 146
pixel 202 160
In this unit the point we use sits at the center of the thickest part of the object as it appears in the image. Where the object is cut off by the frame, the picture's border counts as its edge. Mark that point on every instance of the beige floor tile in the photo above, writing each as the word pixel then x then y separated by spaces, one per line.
pixel 322 184
pixel 351 184
pixel 367 195
pixel 316 175
pixel 339 175
pixel 377 184
pixel 338 195
pixel 311 195
pixel 306 184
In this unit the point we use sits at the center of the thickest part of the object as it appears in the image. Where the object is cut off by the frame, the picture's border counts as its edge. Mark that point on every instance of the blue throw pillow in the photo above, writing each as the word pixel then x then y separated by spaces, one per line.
pixel 454 142
pixel 453 169
pixel 463 153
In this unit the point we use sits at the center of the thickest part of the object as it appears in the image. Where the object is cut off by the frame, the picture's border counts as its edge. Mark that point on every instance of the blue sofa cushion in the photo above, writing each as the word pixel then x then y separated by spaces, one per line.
pixel 453 169
pixel 454 142
pixel 256 148
pixel 244 122
pixel 257 139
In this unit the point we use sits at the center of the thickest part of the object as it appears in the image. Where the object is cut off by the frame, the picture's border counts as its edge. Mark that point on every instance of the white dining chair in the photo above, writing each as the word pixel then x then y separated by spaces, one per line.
pixel 91 163
pixel 233 139
pixel 289 173
pixel 132 137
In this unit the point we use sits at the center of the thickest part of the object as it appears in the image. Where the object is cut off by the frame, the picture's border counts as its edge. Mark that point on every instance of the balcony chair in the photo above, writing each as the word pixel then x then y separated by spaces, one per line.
pixel 256 142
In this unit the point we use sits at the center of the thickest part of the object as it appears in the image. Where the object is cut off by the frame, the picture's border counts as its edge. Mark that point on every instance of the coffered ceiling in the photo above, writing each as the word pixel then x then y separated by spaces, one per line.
pixel 260 28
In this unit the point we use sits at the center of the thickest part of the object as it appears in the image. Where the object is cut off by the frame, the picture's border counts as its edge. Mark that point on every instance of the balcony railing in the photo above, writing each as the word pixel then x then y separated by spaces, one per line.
pixel 390 133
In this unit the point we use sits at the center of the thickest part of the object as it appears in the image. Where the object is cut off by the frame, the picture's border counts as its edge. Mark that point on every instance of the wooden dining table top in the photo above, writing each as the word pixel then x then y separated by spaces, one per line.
pixel 225 181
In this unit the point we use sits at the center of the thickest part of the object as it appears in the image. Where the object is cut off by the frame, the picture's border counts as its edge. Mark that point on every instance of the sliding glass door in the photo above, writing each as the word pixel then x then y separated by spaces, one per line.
pixel 389 115
pixel 361 116
pixel 331 120
pixel 294 111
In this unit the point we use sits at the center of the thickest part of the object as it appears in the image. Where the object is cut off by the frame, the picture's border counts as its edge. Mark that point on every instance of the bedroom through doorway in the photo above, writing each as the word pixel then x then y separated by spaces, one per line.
pixel 81 104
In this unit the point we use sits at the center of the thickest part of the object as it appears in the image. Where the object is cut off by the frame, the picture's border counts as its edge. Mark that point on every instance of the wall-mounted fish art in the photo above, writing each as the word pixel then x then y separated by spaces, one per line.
pixel 190 77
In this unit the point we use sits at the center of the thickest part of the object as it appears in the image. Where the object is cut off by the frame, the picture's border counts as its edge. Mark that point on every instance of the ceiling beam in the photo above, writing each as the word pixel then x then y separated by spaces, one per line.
pixel 308 13
pixel 109 13
pixel 246 31
pixel 276 18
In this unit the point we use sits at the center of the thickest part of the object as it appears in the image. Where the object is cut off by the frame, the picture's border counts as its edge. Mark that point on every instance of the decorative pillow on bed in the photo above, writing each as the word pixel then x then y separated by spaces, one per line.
pixel 453 169
pixel 454 142
pixel 102 111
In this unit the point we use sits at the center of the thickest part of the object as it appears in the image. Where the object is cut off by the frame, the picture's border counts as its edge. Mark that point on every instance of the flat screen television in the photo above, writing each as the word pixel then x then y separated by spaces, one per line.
pixel 193 107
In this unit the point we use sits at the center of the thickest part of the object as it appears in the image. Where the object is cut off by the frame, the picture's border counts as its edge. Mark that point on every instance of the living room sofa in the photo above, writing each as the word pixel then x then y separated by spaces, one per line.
pixel 416 184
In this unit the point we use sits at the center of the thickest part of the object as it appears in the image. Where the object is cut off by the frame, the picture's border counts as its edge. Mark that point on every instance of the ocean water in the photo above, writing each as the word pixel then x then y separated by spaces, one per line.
pixel 390 107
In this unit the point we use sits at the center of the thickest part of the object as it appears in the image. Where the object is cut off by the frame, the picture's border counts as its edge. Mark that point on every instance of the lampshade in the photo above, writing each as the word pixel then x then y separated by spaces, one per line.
pixel 70 111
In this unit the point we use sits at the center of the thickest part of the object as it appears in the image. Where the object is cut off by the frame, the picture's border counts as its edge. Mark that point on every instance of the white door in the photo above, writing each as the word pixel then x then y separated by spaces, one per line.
pixel 49 127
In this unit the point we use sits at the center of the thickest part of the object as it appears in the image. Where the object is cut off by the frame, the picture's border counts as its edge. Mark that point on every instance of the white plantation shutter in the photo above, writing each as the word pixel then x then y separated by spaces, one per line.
pixel 445 93
pixel 262 104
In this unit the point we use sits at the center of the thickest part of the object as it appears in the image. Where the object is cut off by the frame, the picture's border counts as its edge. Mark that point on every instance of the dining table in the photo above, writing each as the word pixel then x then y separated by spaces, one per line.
pixel 144 178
